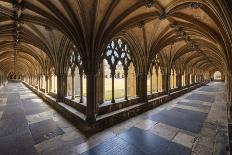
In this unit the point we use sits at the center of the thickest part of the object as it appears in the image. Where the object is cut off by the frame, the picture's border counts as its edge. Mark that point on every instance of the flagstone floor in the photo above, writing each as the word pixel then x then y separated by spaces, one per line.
pixel 193 124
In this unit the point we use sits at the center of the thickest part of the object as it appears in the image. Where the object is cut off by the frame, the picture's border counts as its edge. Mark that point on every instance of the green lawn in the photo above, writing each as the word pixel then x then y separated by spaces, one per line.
pixel 119 91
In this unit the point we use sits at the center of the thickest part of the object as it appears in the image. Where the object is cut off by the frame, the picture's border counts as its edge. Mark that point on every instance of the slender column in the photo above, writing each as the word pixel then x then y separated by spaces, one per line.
pixel 112 77
pixel 178 81
pixel 157 82
pixel 173 80
pixel 187 80
pixel 46 82
pixel 126 75
pixel 50 83
pixel 81 87
pixel 39 82
pixel 73 85
pixel 54 82
pixel 100 84
pixel 151 82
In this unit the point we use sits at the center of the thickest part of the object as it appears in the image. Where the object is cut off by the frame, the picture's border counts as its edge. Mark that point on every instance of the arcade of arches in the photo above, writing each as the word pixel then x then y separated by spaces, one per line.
pixel 105 58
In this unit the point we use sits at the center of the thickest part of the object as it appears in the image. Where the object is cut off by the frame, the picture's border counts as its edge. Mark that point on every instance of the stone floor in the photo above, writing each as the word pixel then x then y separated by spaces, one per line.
pixel 195 123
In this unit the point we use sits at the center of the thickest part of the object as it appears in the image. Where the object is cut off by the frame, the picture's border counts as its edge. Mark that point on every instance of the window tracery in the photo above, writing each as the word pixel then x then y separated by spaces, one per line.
pixel 118 52
pixel 117 60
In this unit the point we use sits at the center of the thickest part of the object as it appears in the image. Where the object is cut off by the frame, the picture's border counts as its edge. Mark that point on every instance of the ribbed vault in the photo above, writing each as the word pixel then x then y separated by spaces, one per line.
pixel 189 35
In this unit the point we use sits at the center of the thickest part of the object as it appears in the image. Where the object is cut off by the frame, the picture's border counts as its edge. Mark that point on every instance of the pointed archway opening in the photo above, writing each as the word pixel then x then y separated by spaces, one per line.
pixel 217 76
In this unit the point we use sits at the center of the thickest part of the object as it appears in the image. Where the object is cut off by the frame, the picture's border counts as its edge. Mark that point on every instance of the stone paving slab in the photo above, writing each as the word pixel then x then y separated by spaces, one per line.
pixel 208 89
pixel 20 143
pixel 115 145
pixel 153 144
pixel 12 126
pixel 197 105
pixel 201 97
pixel 13 112
pixel 184 119
pixel 44 130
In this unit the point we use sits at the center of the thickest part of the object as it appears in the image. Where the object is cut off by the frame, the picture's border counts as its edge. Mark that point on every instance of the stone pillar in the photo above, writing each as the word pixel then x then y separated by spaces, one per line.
pixel 229 92
pixel 46 82
pixel 126 75
pixel 81 87
pixel 166 82
pixel 178 81
pixel 151 76
pixel 39 82
pixel 61 87
pixel 100 85
pixel 112 78
pixel 73 85
pixel 50 83
pixel 187 79
pixel 91 108
pixel 157 82
pixel 141 88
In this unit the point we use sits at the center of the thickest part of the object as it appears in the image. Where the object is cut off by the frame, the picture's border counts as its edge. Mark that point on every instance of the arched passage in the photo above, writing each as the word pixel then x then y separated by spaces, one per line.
pixel 217 75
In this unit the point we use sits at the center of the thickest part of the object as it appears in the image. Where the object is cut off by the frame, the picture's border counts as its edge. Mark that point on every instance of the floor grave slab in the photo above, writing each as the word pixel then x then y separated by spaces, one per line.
pixel 181 118
pixel 20 143
pixel 13 99
pixel 13 111
pixel 115 145
pixel 12 126
pixel 196 105
pixel 201 97
pixel 208 89
pixel 44 130
pixel 30 110
pixel 153 144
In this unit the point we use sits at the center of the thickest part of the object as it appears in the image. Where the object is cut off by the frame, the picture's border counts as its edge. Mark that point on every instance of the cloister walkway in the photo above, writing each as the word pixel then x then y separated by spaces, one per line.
pixel 195 123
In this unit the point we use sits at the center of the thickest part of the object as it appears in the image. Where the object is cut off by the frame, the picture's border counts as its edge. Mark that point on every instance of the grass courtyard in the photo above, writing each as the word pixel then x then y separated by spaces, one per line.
pixel 119 88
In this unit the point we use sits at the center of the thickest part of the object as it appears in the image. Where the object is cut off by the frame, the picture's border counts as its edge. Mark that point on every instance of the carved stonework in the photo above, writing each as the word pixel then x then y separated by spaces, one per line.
pixel 196 5
pixel 141 25
pixel 149 3
pixel 162 15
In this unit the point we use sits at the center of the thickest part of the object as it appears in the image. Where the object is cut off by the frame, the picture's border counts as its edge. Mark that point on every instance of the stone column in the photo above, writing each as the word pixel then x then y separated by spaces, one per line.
pixel 91 97
pixel 157 82
pixel 126 75
pixel 73 85
pixel 100 85
pixel 166 82
pixel 229 92
pixel 151 82
pixel 50 83
pixel 61 87
pixel 187 79
pixel 178 80
pixel 39 82
pixel 46 82
pixel 112 77
pixel 81 87
pixel 141 88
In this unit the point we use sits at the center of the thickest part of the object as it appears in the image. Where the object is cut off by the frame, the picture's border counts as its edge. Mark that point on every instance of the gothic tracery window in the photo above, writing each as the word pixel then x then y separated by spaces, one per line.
pixel 154 78
pixel 118 51
pixel 117 60
pixel 76 83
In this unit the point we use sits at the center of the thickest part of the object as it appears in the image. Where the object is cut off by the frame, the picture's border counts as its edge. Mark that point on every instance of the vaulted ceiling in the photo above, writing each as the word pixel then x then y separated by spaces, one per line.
pixel 35 33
